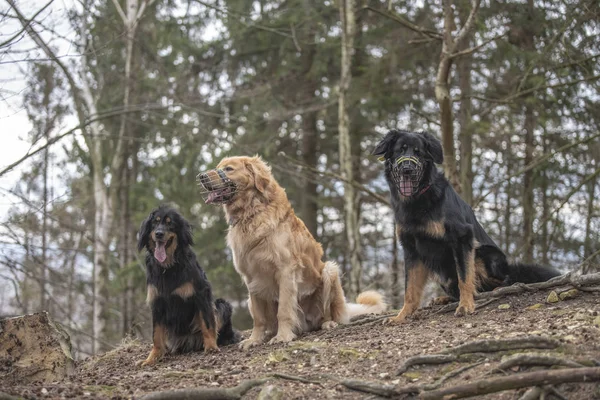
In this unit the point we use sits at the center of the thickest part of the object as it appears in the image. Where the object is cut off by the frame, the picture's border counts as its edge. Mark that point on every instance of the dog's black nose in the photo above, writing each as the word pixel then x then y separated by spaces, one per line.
pixel 159 235
pixel 205 181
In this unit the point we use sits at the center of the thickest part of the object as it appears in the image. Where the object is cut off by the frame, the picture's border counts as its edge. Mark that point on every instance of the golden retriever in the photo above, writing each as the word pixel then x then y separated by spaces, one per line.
pixel 291 289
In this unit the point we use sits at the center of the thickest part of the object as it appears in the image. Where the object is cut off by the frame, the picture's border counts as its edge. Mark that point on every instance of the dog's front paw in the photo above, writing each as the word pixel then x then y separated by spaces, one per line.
pixel 283 337
pixel 465 308
pixel 329 325
pixel 250 342
pixel 398 319
pixel 212 349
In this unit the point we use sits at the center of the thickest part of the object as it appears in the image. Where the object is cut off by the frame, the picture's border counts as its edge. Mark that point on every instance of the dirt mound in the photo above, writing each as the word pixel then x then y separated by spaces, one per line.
pixel 367 356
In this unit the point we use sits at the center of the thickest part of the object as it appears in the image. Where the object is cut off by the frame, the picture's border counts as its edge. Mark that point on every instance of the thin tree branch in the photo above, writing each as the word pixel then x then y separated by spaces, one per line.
pixel 469 23
pixel 535 163
pixel 120 11
pixel 476 48
pixel 24 27
pixel 406 23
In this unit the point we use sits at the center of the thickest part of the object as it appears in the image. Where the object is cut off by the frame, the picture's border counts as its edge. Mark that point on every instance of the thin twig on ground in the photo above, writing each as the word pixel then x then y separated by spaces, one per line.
pixel 232 393
pixel 516 381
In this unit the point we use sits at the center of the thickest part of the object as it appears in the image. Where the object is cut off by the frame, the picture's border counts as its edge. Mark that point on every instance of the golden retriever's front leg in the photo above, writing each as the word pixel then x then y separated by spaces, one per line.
pixel 258 310
pixel 287 312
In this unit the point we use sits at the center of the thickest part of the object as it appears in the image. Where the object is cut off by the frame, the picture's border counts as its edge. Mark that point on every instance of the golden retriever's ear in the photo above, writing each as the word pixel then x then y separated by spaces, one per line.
pixel 260 172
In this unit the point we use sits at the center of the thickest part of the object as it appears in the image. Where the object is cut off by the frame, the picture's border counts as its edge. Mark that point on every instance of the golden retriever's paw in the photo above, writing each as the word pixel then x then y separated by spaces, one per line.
pixel 464 309
pixel 283 338
pixel 146 363
pixel 329 325
pixel 250 342
pixel 398 319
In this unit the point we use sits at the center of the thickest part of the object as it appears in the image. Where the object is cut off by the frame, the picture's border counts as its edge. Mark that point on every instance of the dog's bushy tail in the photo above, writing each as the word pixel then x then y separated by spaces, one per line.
pixel 368 302
pixel 227 335
pixel 528 273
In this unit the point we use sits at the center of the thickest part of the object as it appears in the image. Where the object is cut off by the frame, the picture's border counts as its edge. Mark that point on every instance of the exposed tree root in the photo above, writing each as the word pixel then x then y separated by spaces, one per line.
pixel 516 381
pixel 232 393
pixel 295 378
pixel 535 359
pixel 426 359
pixel 581 282
pixel 532 394
pixel 391 391
pixel 494 345
pixel 480 346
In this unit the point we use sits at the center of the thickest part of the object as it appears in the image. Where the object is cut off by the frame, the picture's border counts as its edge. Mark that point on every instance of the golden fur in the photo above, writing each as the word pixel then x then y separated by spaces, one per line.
pixel 291 289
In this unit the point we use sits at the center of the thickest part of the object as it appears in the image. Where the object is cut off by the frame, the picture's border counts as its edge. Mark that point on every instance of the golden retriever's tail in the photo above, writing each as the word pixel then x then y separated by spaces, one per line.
pixel 368 302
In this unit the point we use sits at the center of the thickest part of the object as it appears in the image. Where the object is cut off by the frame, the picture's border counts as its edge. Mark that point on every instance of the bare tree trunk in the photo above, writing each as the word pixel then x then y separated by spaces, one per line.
pixel 310 135
pixel 528 195
pixel 545 242
pixel 528 177
pixel 509 195
pixel 43 260
pixel 348 18
pixel 395 272
pixel 588 244
pixel 466 129
pixel 310 205
pixel 450 45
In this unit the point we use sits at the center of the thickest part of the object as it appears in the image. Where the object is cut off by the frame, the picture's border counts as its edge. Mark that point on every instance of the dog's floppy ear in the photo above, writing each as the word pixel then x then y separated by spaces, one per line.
pixel 260 172
pixel 386 143
pixel 144 232
pixel 187 234
pixel 434 147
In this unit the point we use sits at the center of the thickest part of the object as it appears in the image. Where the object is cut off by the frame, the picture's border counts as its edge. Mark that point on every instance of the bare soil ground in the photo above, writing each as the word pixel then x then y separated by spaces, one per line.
pixel 369 351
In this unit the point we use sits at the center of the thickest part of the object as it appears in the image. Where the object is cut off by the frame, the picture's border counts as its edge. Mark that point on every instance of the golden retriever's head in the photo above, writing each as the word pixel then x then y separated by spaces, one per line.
pixel 233 177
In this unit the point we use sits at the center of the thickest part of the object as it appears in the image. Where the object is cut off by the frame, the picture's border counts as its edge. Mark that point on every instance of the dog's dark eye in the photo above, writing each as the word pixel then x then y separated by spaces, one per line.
pixel 404 147
pixel 416 151
pixel 228 169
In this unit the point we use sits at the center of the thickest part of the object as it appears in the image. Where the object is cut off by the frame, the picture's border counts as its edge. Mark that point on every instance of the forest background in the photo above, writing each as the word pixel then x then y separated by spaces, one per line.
pixel 111 107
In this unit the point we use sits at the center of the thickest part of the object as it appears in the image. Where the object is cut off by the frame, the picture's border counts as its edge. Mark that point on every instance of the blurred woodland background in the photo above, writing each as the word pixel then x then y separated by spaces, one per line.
pixel 128 100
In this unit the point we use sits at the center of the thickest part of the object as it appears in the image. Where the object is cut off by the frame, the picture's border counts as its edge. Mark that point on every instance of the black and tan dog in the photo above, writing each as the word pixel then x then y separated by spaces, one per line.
pixel 439 232
pixel 184 315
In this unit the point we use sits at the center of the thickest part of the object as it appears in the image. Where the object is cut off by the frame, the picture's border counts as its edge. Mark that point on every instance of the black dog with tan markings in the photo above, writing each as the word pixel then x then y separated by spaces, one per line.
pixel 184 315
pixel 439 232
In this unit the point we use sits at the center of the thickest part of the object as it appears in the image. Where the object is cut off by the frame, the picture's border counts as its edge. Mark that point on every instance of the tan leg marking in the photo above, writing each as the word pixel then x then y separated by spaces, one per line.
pixel 415 283
pixel 159 345
pixel 467 288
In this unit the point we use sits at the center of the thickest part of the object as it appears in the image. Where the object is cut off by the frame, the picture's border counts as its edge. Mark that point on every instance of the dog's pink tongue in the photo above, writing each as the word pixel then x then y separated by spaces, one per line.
pixel 159 252
pixel 406 187
pixel 212 196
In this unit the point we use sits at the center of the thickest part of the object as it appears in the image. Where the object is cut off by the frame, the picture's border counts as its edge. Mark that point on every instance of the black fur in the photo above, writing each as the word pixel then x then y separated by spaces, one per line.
pixel 170 310
pixel 438 202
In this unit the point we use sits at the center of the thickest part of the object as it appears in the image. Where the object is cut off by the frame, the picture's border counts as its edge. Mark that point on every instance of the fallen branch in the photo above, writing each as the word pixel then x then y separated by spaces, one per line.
pixel 534 359
pixel 516 381
pixel 232 393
